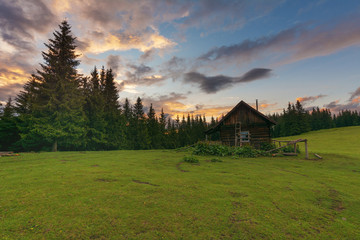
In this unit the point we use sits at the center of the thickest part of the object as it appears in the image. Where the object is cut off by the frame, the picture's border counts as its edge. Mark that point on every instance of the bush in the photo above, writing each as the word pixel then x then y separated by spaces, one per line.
pixel 246 151
pixel 265 146
pixel 215 160
pixel 290 149
pixel 204 148
pixel 190 159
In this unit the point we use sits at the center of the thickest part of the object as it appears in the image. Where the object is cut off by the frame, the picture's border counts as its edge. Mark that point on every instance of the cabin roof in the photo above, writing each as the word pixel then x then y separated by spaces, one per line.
pixel 241 103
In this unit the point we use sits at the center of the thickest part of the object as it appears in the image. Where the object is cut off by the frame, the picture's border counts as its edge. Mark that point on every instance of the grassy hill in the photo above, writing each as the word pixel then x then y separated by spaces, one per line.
pixel 338 141
pixel 155 195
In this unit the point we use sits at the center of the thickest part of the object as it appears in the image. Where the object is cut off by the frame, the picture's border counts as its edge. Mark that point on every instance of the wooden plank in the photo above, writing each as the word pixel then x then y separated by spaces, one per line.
pixel 318 156
pixel 289 154
pixel 290 143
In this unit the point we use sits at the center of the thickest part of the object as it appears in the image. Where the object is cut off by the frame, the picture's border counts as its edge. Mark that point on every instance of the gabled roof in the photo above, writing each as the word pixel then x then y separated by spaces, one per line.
pixel 241 103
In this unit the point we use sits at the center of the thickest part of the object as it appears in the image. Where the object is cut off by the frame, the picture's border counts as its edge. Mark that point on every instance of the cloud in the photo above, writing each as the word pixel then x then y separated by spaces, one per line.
pixel 264 106
pixel 293 44
pixel 216 83
pixel 141 75
pixel 14 68
pixel 223 15
pixel 173 105
pixel 254 74
pixel 20 20
pixel 120 25
pixel 148 55
pixel 135 24
pixel 113 62
pixel 88 60
pixel 121 41
pixel 335 106
pixel 310 98
pixel 21 24
pixel 355 94
pixel 356 100
pixel 174 68
pixel 169 102
pixel 10 90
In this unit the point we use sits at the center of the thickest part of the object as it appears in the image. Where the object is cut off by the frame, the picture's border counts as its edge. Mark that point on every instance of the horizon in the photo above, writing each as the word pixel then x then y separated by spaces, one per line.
pixel 200 57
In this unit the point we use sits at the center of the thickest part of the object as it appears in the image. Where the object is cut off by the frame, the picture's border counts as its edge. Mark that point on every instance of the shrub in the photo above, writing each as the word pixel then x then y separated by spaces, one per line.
pixel 190 159
pixel 265 146
pixel 290 149
pixel 204 148
pixel 246 151
pixel 215 160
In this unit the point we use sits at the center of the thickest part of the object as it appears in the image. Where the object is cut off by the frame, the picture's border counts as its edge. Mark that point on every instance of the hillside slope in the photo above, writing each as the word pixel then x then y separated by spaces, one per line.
pixel 339 141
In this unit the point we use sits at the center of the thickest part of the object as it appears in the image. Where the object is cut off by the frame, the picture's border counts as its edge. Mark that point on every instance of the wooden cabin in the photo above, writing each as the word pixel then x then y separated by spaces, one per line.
pixel 243 125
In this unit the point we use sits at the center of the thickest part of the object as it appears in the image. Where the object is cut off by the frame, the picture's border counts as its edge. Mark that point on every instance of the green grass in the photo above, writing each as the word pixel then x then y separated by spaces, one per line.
pixel 155 195
pixel 339 141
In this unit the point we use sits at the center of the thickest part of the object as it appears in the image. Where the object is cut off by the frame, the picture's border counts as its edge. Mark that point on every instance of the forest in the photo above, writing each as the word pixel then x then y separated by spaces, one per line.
pixel 60 109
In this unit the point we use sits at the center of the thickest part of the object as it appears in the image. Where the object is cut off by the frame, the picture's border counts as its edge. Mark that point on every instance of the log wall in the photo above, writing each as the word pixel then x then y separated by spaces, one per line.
pixel 259 129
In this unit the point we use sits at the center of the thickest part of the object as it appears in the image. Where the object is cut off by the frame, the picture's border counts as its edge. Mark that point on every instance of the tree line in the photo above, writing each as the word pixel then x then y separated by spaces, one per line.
pixel 61 109
pixel 296 120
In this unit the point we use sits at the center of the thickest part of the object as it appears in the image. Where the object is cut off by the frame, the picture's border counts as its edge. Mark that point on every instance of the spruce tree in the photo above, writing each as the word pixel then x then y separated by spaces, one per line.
pixel 94 110
pixel 115 132
pixel 9 133
pixel 153 128
pixel 141 136
pixel 57 110
pixel 162 126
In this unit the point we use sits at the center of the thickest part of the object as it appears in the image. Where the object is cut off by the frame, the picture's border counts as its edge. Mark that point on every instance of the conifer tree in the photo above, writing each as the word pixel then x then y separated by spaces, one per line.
pixel 153 129
pixel 162 125
pixel 94 110
pixel 9 133
pixel 57 110
pixel 141 136
pixel 115 132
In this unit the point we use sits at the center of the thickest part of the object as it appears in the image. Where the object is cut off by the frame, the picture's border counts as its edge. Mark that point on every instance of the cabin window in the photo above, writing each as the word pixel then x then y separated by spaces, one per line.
pixel 245 136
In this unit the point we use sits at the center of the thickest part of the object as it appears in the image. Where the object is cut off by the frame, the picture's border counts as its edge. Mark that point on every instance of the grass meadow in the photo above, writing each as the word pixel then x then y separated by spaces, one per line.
pixel 155 195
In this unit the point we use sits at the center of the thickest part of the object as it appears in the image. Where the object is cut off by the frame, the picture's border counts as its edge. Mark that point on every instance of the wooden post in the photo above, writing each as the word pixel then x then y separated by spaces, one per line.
pixel 294 147
pixel 306 150
pixel 206 138
pixel 54 146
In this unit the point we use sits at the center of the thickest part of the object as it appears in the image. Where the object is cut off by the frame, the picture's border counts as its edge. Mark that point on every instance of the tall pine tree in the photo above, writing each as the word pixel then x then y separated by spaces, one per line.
pixel 57 110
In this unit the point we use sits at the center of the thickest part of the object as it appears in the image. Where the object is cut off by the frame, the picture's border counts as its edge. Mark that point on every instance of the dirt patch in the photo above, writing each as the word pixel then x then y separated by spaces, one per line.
pixel 337 204
pixel 277 207
pixel 96 236
pixel 141 182
pixel 294 172
pixel 238 194
pixel 178 167
pixel 234 218
pixel 236 204
pixel 64 160
pixel 105 180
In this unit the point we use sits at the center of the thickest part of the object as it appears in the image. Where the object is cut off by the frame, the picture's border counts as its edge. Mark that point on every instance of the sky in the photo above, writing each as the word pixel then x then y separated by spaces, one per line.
pixel 197 57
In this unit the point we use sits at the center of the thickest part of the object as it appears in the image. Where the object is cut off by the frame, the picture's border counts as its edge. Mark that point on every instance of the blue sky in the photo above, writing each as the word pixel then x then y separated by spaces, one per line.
pixel 199 57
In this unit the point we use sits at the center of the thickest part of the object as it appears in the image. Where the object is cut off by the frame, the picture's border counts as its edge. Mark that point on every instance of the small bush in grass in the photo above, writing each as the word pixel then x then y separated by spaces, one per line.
pixel 190 159
pixel 215 160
